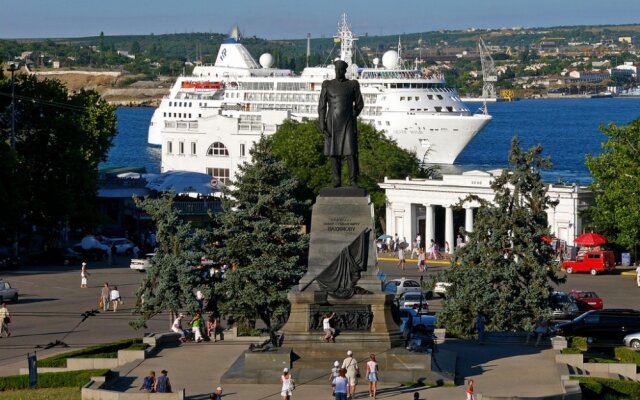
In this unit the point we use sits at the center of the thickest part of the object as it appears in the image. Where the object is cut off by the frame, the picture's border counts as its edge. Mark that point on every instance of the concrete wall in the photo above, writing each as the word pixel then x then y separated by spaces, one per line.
pixel 93 391
pixel 602 370
pixel 77 364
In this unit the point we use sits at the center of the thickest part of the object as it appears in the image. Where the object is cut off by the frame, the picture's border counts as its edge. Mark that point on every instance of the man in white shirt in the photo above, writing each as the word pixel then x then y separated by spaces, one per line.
pixel 329 332
pixel 351 365
pixel 177 327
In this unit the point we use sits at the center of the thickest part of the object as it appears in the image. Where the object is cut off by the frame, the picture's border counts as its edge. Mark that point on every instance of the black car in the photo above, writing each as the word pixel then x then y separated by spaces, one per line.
pixel 607 325
pixel 57 255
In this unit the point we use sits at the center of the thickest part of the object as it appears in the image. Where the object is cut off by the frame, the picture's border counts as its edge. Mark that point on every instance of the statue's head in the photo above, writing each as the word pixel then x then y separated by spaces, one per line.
pixel 341 69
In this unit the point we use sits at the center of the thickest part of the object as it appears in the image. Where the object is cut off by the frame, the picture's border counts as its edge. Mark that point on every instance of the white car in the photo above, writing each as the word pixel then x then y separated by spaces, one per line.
pixel 412 300
pixel 123 245
pixel 632 340
pixel 401 285
pixel 441 288
pixel 141 264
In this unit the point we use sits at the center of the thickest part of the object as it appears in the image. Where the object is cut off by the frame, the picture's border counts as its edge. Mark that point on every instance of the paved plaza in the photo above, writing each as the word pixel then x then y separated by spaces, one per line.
pixel 51 302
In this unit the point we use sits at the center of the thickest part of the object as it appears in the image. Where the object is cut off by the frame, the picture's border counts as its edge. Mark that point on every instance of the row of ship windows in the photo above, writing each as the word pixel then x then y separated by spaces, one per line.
pixel 179 115
pixel 179 104
pixel 216 149
pixel 417 98
pixel 308 97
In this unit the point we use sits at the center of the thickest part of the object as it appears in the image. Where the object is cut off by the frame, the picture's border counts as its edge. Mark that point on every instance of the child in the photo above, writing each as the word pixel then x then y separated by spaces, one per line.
pixel 149 382
pixel 335 372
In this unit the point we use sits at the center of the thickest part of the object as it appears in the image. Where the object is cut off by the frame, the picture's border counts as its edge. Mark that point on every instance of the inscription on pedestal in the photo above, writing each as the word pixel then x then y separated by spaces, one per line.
pixel 355 317
pixel 341 224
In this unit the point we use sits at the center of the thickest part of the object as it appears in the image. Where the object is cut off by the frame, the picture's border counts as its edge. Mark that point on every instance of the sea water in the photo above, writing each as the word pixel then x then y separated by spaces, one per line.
pixel 567 129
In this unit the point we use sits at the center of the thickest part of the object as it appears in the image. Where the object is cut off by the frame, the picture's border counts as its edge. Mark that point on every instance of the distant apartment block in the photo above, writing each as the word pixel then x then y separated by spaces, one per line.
pixel 589 76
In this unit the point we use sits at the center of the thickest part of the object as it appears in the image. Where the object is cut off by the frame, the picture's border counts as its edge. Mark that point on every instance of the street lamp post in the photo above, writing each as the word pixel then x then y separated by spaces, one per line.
pixel 13 68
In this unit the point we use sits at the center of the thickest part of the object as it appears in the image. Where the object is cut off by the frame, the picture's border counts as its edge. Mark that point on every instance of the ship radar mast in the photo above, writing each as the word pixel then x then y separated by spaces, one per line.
pixel 347 40
pixel 235 33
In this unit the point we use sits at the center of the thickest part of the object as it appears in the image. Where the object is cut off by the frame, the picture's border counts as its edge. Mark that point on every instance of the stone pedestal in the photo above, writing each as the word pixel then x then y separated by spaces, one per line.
pixel 363 320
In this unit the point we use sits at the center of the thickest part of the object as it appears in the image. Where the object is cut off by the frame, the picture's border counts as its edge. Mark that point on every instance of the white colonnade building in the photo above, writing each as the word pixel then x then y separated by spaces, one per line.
pixel 433 209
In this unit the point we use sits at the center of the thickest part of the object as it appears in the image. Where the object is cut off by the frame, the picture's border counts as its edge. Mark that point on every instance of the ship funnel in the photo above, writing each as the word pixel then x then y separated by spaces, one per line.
pixel 235 33
pixel 233 54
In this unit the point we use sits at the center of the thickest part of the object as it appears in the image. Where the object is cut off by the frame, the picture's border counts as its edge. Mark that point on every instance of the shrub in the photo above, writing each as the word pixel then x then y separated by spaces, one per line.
pixel 51 379
pixel 599 388
pixel 106 350
pixel 626 355
pixel 579 342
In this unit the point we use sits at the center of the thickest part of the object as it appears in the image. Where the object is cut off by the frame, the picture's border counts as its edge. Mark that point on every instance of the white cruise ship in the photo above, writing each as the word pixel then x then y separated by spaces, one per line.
pixel 211 118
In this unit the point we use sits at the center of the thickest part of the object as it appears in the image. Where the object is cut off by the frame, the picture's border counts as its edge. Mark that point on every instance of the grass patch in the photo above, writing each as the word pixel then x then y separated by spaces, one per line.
pixel 70 379
pixel 43 394
pixel 106 350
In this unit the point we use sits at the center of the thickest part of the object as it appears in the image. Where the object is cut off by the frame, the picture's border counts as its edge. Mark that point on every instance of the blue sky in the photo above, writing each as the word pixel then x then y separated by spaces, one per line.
pixel 274 19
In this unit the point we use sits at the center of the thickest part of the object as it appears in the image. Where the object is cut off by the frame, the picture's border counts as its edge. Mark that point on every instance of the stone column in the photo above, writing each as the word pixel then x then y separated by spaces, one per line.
pixel 448 228
pixel 429 226
pixel 468 220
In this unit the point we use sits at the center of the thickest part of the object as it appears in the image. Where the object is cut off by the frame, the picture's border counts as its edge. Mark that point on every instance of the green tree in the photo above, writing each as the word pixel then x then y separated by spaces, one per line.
pixel 301 146
pixel 60 140
pixel 616 179
pixel 260 236
pixel 505 271
pixel 170 280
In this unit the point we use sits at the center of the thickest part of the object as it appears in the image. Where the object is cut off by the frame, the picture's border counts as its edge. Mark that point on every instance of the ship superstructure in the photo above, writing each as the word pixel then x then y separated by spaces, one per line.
pixel 211 118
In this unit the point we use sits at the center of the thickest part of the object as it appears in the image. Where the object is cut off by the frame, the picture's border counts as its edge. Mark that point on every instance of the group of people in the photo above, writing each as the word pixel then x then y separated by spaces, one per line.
pixel 198 326
pixel 109 297
pixel 153 384
pixel 343 378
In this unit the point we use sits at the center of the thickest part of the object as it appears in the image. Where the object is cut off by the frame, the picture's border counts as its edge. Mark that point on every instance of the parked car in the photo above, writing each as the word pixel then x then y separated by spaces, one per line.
pixel 93 254
pixel 58 255
pixel 563 307
pixel 123 245
pixel 587 300
pixel 441 288
pixel 632 340
pixel 141 264
pixel 401 285
pixel 413 319
pixel 7 293
pixel 414 300
pixel 594 262
pixel 602 325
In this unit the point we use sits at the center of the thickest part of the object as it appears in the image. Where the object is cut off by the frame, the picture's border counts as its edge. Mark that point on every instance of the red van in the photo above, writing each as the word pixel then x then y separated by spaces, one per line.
pixel 593 262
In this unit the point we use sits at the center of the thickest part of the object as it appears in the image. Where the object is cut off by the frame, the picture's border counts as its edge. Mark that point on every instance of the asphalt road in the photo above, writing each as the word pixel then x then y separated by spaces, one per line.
pixel 51 303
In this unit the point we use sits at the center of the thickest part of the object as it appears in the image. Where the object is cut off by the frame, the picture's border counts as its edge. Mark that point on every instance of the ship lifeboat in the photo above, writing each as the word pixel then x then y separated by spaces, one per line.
pixel 201 85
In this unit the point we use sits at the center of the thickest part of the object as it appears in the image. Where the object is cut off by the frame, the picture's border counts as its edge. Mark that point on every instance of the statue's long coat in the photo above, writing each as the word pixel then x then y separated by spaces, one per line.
pixel 340 103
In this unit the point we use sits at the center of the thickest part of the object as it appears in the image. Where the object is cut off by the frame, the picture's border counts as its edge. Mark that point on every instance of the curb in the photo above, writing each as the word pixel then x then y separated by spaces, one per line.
pixel 412 261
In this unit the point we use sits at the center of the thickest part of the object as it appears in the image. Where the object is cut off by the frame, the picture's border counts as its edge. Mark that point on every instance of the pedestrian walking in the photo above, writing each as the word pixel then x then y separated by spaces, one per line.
pixel 212 327
pixel 396 242
pixel 196 325
pixel 84 274
pixel 341 386
pixel 200 299
pixel 401 259
pixel 638 276
pixel 350 364
pixel 288 385
pixel 421 261
pixel 115 298
pixel 335 372
pixel 104 295
pixel 469 391
pixel 539 330
pixel 433 250
pixel 329 332
pixel 163 385
pixel 5 320
pixel 372 375
pixel 480 323
pixel 447 249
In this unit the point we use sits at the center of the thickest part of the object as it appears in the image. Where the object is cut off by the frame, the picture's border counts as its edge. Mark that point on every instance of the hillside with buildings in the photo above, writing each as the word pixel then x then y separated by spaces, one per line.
pixel 529 62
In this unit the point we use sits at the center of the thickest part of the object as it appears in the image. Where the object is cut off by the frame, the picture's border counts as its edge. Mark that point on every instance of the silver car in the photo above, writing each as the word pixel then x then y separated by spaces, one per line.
pixel 7 293
pixel 632 340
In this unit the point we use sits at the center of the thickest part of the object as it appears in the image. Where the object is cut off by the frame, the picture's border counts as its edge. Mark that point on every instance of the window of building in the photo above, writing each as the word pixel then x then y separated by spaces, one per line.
pixel 242 150
pixel 221 173
pixel 193 148
pixel 181 148
pixel 169 147
pixel 218 149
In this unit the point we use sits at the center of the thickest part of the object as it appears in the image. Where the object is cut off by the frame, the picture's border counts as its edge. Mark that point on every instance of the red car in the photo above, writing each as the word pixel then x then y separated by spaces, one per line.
pixel 594 262
pixel 586 300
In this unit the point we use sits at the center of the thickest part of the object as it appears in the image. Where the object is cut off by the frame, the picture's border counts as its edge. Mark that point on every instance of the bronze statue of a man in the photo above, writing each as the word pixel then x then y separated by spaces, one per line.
pixel 340 104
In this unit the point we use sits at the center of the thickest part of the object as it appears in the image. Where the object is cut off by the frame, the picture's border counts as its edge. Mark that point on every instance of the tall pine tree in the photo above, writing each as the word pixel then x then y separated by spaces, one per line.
pixel 170 280
pixel 260 236
pixel 505 271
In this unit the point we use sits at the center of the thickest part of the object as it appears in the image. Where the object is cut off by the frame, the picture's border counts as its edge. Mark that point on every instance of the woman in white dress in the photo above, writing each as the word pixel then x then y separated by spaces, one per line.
pixel 115 298
pixel 83 275
pixel 287 384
